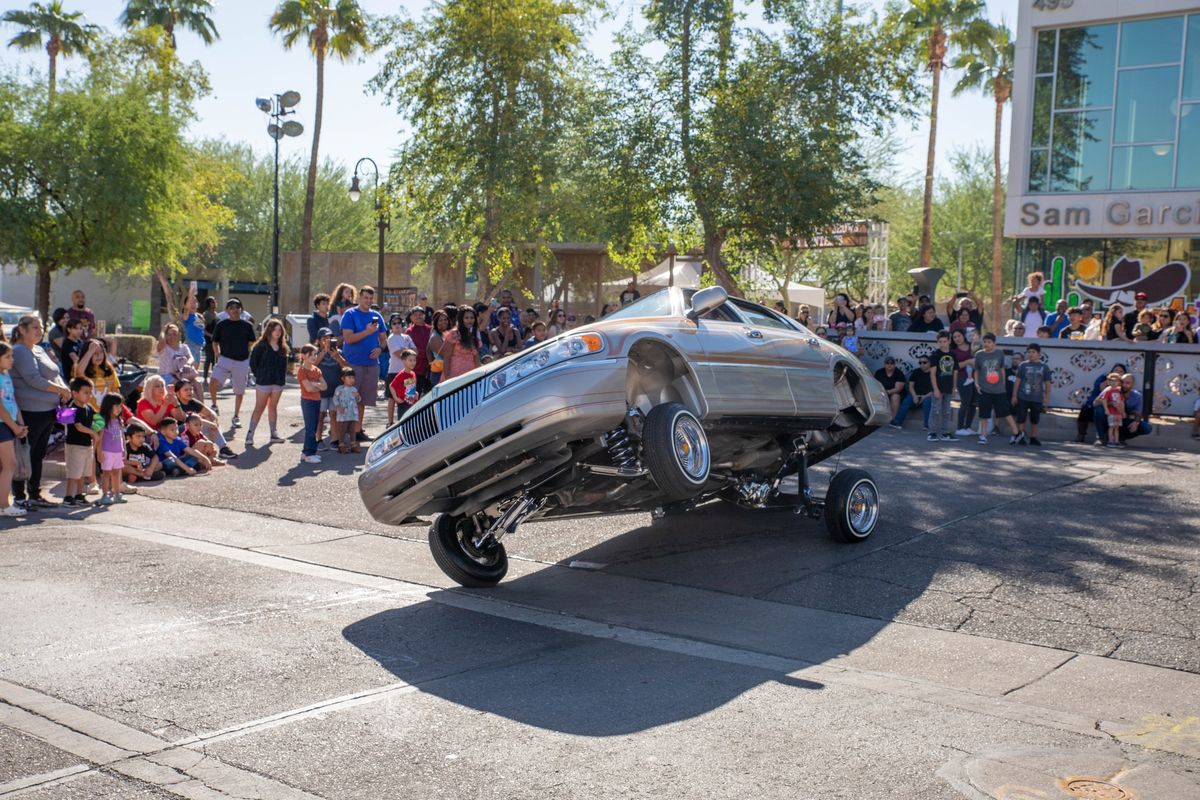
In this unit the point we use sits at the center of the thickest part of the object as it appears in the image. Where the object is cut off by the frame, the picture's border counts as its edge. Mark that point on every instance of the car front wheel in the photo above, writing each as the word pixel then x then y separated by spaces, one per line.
pixel 676 451
pixel 852 505
pixel 452 540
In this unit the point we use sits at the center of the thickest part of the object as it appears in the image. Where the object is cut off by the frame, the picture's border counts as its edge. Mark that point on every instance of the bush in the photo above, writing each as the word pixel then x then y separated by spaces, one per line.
pixel 135 347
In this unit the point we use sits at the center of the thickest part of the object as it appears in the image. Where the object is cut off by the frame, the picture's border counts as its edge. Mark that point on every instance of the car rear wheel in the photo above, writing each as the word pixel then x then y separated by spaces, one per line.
pixel 852 506
pixel 452 542
pixel 676 451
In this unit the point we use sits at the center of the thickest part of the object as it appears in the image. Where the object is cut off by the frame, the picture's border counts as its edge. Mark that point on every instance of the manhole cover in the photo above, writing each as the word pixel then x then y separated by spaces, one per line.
pixel 1094 789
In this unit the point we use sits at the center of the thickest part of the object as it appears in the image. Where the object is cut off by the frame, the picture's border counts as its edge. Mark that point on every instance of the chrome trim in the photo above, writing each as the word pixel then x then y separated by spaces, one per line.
pixel 691 447
pixel 443 413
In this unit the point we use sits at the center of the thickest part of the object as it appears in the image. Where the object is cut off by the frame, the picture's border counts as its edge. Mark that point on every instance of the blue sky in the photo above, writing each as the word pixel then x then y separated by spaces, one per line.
pixel 248 61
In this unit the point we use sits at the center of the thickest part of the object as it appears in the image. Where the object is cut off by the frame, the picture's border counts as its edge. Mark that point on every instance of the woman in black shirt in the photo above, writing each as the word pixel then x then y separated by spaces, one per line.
pixel 269 364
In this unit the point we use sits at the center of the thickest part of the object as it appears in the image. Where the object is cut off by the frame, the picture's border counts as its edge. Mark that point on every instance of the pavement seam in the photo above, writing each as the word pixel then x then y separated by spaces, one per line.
pixel 1045 674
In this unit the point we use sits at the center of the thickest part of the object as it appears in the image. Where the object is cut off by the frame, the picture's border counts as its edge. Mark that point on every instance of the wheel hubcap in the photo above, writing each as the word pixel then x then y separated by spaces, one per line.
pixel 487 553
pixel 862 510
pixel 691 447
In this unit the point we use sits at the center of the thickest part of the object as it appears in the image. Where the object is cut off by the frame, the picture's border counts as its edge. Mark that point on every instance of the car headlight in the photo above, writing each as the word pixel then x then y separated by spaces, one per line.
pixel 584 344
pixel 390 441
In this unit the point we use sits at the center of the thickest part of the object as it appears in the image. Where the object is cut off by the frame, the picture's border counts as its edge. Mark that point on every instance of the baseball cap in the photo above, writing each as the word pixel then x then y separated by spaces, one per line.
pixel 1140 296
pixel 415 309
pixel 889 360
pixel 323 332
pixel 233 301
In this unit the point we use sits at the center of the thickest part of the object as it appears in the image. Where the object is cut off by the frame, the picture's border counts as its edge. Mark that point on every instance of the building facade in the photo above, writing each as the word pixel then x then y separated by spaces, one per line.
pixel 1104 167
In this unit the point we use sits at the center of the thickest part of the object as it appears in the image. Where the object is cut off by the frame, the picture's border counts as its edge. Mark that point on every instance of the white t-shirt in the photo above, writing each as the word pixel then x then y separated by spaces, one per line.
pixel 396 343
pixel 1039 293
pixel 1033 320
pixel 173 359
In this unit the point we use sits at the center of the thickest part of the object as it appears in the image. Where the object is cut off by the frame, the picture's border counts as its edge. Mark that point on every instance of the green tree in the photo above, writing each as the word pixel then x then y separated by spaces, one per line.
pixel 932 27
pixel 167 15
pixel 987 64
pixel 101 179
pixel 769 123
pixel 329 27
pixel 487 88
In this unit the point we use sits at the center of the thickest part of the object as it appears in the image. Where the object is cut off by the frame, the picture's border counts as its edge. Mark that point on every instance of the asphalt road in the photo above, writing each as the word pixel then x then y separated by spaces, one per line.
pixel 1023 625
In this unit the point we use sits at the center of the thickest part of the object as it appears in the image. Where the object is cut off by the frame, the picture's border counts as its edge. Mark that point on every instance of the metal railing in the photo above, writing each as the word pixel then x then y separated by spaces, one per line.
pixel 1168 373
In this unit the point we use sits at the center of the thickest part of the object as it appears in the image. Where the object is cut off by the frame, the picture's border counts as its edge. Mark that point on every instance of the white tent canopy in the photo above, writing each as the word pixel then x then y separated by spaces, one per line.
pixel 687 275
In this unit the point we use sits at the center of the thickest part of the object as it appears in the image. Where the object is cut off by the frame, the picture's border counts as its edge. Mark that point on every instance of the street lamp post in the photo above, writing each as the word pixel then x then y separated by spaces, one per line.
pixel 277 107
pixel 381 211
pixel 957 238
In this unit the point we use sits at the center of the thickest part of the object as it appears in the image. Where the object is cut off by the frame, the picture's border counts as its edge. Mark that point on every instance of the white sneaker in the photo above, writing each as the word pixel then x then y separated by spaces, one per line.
pixel 964 432
pixel 237 423
pixel 249 438
pixel 275 437
pixel 313 459
pixel 13 511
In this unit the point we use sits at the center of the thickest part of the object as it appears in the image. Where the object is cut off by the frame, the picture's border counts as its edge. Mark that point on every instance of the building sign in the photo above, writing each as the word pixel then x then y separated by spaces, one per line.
pixel 1107 216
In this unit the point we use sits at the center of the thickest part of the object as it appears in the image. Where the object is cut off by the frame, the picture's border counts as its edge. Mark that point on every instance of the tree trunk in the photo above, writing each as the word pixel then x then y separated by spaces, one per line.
pixel 997 224
pixel 52 49
pixel 714 240
pixel 936 53
pixel 310 190
pixel 173 314
pixel 42 291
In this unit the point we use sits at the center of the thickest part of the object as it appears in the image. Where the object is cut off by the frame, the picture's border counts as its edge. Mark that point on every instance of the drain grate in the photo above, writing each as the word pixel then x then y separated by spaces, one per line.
pixel 1094 789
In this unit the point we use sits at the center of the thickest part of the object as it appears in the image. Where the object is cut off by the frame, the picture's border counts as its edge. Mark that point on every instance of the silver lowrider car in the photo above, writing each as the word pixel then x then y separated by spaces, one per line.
pixel 675 399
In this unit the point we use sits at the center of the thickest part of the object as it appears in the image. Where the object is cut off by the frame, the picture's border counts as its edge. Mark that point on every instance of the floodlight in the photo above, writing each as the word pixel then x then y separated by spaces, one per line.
pixel 264 104
pixel 292 128
pixel 274 131
pixel 289 98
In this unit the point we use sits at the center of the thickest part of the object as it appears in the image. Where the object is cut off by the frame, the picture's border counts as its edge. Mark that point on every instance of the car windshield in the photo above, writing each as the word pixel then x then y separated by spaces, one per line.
pixel 655 305
pixel 14 316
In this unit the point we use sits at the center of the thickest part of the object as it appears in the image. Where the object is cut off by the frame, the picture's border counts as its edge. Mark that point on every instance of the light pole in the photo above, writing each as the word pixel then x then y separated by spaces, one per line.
pixel 383 222
pixel 277 107
pixel 959 240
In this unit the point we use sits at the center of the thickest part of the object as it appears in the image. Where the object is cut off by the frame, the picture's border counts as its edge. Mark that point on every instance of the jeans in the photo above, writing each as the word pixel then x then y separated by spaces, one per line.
pixel 1101 421
pixel 41 425
pixel 1084 420
pixel 311 410
pixel 941 419
pixel 906 403
pixel 966 405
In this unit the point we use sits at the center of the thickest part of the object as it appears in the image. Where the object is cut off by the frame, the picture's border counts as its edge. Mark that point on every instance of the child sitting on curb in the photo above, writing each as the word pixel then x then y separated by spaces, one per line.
pixel 176 457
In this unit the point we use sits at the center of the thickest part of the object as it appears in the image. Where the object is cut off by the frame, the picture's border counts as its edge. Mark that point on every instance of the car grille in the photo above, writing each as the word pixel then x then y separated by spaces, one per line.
pixel 442 414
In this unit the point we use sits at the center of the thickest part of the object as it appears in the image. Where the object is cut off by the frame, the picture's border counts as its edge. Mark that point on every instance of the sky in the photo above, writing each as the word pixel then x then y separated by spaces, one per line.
pixel 248 61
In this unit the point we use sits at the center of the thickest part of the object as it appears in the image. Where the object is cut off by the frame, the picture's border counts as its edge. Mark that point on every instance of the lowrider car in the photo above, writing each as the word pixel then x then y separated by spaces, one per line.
pixel 676 399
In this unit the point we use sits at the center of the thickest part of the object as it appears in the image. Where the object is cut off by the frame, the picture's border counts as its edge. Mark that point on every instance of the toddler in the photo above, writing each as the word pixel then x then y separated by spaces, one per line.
pixel 345 413
pixel 1114 408
pixel 112 449
pixel 11 428
pixel 193 434
pixel 81 440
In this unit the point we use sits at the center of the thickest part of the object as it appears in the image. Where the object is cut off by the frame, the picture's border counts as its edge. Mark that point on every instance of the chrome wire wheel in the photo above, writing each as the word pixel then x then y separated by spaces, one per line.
pixel 690 447
pixel 862 509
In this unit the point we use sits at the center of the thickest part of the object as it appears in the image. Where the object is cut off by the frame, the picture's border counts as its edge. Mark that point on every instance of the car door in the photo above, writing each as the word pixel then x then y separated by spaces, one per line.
pixel 802 359
pixel 745 372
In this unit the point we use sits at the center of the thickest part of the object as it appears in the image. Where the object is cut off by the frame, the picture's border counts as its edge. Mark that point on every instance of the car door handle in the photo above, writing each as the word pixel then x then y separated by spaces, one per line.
pixel 753 334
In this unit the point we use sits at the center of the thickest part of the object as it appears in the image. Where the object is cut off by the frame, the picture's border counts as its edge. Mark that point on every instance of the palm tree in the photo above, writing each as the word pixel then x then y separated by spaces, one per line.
pixel 330 27
pixel 935 23
pixel 987 64
pixel 192 15
pixel 65 33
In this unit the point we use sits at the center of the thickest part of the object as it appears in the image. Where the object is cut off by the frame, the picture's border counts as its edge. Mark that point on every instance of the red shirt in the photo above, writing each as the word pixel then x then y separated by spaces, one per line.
pixel 420 335
pixel 145 405
pixel 404 386
pixel 312 375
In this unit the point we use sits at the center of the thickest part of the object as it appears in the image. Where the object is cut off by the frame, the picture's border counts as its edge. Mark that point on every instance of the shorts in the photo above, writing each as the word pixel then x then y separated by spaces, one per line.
pixel 326 404
pixel 79 460
pixel 268 388
pixel 993 402
pixel 6 434
pixel 367 380
pixel 1030 409
pixel 111 461
pixel 1115 420
pixel 236 371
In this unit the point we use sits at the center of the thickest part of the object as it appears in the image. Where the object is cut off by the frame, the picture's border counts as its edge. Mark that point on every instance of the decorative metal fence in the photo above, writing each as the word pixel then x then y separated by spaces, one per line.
pixel 1170 373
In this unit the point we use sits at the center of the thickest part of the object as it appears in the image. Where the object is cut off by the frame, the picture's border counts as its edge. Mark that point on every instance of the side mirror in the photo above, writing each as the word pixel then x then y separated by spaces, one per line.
pixel 705 301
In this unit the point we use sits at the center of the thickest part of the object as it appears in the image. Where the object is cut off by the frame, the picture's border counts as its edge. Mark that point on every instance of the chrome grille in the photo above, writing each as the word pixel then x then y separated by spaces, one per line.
pixel 419 426
pixel 453 407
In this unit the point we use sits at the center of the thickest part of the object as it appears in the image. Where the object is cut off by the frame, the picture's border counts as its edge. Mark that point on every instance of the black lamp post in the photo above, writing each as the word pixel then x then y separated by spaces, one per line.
pixel 278 107
pixel 380 210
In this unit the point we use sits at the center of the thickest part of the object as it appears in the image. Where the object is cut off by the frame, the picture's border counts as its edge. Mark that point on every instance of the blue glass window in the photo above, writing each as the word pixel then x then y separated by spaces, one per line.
pixel 1045 52
pixel 1146 105
pixel 1086 60
pixel 1042 88
pixel 1039 161
pixel 1146 166
pixel 1079 162
pixel 1191 62
pixel 1151 41
pixel 1189 148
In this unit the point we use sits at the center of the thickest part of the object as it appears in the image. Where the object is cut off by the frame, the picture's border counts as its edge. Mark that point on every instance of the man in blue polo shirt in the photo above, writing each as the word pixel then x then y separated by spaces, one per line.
pixel 364 337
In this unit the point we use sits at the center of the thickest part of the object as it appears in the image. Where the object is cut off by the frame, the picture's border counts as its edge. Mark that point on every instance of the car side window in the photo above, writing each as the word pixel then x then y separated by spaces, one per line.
pixel 723 313
pixel 757 317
